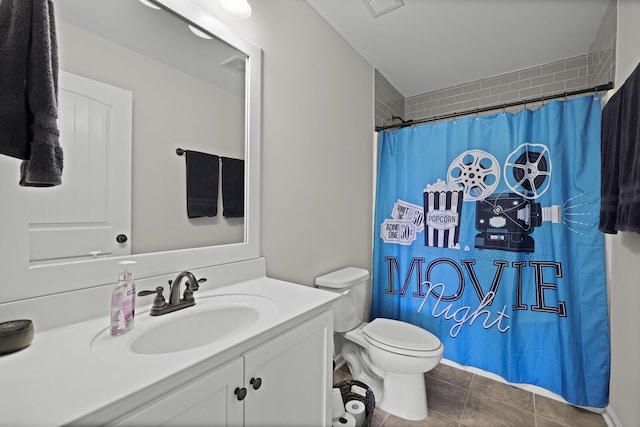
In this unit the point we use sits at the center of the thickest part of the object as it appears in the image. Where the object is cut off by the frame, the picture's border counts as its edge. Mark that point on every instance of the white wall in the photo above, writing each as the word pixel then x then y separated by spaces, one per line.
pixel 318 120
pixel 623 259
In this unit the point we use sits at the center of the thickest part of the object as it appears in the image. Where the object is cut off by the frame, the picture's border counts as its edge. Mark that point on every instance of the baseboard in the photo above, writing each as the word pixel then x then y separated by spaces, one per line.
pixel 610 417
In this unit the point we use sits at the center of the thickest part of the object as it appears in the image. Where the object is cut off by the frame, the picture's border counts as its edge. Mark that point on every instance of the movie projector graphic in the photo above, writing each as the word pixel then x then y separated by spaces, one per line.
pixel 505 220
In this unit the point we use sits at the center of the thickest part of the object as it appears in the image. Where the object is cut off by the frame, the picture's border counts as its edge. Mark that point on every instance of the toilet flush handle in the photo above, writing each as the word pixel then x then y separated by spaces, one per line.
pixel 347 292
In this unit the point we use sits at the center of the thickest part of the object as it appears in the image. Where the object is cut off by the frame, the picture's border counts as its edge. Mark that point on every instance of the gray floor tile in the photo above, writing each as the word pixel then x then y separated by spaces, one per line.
pixel 452 375
pixel 445 398
pixel 566 414
pixel 341 374
pixel 502 392
pixel 379 417
pixel 543 422
pixel 481 412
pixel 433 420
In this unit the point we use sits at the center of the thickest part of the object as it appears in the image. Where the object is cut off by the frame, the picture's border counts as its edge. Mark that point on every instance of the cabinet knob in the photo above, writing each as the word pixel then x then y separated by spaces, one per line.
pixel 121 238
pixel 241 393
pixel 256 383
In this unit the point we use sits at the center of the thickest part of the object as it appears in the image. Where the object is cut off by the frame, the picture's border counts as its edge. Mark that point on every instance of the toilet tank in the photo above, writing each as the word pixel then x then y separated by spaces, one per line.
pixel 349 309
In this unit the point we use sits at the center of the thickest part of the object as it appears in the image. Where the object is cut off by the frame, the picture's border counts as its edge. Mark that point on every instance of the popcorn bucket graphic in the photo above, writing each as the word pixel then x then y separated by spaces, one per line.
pixel 442 210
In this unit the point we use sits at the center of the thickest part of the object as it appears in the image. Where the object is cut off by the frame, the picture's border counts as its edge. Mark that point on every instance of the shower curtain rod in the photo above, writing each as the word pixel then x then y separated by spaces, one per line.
pixel 405 123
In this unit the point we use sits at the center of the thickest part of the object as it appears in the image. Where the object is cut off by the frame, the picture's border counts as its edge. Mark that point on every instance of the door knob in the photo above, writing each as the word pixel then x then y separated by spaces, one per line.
pixel 241 393
pixel 256 383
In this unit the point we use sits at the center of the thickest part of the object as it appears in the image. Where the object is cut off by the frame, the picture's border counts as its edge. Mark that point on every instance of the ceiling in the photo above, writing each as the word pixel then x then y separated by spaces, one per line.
pixel 427 45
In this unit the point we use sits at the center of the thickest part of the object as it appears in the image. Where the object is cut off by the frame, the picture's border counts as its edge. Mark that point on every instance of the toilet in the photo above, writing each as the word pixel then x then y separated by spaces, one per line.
pixel 388 355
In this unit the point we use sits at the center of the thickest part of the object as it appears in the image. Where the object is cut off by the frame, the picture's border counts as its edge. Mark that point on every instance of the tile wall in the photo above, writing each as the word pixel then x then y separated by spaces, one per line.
pixel 602 54
pixel 389 102
pixel 548 79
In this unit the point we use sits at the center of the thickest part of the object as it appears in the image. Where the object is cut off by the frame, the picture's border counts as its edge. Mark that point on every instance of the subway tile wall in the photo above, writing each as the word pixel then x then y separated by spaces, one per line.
pixel 548 79
pixel 602 54
pixel 389 102
pixel 580 72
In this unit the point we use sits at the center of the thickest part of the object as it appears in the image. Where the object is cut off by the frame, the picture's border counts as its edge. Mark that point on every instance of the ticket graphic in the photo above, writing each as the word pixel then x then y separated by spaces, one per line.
pixel 406 211
pixel 395 231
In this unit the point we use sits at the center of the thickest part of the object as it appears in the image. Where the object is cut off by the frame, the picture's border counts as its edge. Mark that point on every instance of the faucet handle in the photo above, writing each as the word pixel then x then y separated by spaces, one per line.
pixel 196 287
pixel 158 301
pixel 189 290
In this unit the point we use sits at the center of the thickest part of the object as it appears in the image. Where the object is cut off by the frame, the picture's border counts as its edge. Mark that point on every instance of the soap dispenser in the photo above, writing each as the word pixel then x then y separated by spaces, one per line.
pixel 123 301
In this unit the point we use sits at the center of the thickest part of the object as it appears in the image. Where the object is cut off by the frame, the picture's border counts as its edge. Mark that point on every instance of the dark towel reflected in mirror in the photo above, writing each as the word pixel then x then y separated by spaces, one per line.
pixel 232 187
pixel 202 184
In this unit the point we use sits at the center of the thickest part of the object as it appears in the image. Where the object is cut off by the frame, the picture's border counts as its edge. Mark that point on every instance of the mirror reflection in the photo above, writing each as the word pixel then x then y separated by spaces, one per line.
pixel 135 75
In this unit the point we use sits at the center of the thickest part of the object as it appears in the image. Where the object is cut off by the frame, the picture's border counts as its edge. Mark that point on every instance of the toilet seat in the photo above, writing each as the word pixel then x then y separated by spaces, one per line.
pixel 401 337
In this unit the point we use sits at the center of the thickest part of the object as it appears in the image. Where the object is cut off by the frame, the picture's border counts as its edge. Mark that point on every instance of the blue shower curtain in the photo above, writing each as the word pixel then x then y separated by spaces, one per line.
pixel 486 235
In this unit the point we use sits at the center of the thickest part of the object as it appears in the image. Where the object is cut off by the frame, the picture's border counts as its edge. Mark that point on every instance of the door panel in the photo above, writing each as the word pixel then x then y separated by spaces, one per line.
pixel 93 204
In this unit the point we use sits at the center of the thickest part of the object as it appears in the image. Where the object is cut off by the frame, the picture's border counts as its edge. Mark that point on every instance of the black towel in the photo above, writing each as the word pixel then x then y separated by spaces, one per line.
pixel 29 90
pixel 202 184
pixel 620 151
pixel 232 187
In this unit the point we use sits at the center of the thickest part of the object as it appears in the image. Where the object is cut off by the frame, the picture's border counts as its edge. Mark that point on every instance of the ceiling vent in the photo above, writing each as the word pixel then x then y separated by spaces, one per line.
pixel 235 64
pixel 380 7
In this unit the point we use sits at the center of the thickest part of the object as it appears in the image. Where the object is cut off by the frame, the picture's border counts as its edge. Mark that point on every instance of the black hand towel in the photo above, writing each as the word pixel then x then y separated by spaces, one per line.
pixel 29 90
pixel 620 149
pixel 202 184
pixel 232 187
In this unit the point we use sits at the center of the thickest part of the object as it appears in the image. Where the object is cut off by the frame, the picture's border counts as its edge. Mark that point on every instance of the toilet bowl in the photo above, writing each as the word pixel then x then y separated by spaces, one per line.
pixel 390 356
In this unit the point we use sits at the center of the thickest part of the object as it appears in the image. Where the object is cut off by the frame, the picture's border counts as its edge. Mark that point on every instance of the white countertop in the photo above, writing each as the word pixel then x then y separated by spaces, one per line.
pixel 60 378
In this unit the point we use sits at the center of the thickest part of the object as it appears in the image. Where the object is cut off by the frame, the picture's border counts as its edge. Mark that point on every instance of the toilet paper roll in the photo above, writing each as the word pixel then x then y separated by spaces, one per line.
pixel 347 420
pixel 357 409
pixel 337 403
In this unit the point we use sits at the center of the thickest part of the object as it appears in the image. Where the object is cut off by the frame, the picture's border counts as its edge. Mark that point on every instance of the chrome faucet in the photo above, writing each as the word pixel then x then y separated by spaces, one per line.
pixel 161 306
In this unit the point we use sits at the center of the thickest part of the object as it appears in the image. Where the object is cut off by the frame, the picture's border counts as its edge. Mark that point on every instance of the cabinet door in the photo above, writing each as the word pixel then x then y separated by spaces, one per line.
pixel 294 371
pixel 208 401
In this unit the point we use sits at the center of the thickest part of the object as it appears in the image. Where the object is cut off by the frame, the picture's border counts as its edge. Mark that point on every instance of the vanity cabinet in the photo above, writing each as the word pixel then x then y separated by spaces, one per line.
pixel 207 401
pixel 284 381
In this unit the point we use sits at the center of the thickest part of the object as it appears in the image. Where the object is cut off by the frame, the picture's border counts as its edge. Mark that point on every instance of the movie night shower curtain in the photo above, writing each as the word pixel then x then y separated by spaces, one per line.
pixel 486 235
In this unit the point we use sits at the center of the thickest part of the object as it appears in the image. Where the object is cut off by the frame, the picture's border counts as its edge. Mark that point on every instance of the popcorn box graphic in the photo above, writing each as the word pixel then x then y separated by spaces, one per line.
pixel 442 213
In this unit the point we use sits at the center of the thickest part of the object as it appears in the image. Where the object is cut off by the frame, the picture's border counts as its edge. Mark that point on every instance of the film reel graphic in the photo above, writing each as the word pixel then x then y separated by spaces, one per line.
pixel 526 170
pixel 477 172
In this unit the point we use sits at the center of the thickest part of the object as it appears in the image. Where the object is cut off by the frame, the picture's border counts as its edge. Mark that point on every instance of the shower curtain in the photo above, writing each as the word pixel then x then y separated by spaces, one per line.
pixel 486 235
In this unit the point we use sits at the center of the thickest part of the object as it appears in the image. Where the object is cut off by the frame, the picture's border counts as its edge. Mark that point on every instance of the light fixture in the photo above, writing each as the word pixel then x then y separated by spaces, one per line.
pixel 199 33
pixel 380 7
pixel 239 9
pixel 149 4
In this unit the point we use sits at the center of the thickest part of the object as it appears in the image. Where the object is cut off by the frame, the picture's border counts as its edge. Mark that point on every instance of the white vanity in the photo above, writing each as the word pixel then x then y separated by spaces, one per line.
pixel 275 369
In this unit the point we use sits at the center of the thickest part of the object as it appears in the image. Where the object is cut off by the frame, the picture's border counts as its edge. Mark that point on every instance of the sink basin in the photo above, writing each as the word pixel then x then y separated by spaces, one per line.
pixel 213 319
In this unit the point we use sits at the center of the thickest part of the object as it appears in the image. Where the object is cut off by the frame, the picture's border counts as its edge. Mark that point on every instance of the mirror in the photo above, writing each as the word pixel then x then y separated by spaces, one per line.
pixel 149 54
pixel 187 91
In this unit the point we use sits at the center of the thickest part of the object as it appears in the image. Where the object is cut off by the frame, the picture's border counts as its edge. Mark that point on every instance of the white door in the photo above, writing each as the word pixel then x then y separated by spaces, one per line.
pixel 86 214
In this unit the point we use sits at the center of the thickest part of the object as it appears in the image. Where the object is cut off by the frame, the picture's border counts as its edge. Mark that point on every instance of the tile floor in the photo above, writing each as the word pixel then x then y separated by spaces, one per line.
pixel 457 398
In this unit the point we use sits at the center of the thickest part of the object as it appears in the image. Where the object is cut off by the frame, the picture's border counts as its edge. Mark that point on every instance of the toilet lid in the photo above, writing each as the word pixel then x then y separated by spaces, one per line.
pixel 401 335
